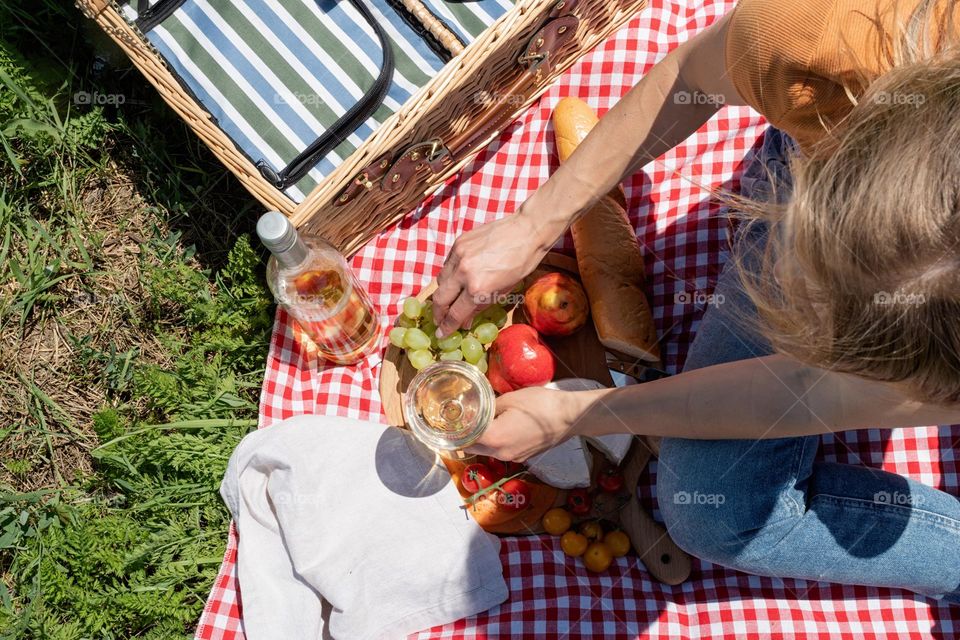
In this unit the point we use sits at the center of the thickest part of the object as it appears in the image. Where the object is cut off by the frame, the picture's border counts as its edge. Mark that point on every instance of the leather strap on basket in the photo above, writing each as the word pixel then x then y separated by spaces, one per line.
pixel 437 156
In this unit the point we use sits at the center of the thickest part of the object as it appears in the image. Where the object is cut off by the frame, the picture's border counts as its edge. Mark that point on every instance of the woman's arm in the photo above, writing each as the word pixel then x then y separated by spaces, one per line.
pixel 769 397
pixel 678 95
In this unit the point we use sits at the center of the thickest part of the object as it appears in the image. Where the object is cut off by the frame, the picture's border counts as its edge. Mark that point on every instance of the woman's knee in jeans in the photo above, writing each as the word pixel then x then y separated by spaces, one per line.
pixel 714 512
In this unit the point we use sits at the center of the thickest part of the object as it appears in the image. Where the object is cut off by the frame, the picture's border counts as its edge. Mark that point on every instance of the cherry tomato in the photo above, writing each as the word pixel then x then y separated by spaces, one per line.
pixel 597 557
pixel 592 530
pixel 498 468
pixel 475 477
pixel 501 469
pixel 618 542
pixel 557 521
pixel 515 494
pixel 573 543
pixel 610 480
pixel 579 502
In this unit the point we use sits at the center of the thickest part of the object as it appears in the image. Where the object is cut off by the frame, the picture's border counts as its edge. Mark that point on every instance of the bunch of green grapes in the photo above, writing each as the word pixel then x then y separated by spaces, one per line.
pixel 416 334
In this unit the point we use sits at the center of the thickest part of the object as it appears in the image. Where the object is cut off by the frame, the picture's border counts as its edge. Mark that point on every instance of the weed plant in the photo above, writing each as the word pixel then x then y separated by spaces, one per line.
pixel 134 324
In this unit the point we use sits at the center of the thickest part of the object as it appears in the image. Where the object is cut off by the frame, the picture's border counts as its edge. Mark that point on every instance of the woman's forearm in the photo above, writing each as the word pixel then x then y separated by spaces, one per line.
pixel 770 397
pixel 663 109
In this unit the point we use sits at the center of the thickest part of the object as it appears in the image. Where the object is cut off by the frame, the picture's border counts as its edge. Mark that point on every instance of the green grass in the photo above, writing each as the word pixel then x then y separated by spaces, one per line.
pixel 134 325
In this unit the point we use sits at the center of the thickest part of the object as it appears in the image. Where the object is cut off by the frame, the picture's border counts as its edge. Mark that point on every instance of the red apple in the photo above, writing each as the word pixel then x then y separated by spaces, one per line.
pixel 518 358
pixel 556 304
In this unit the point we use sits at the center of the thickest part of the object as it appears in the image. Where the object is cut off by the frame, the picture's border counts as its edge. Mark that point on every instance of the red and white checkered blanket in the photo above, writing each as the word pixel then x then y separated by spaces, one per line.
pixel 684 242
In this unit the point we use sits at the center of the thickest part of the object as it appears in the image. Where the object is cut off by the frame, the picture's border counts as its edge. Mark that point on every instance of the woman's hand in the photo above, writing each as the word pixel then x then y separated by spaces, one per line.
pixel 485 263
pixel 528 422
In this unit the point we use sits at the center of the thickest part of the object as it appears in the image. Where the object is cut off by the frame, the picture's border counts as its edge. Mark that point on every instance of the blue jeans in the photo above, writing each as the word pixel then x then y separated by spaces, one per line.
pixel 766 507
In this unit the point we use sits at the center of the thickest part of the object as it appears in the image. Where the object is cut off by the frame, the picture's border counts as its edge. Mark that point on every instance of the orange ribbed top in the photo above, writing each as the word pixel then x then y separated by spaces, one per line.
pixel 801 62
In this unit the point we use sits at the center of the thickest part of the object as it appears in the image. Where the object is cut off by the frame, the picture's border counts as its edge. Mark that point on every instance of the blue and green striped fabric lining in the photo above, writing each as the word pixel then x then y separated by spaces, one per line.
pixel 275 74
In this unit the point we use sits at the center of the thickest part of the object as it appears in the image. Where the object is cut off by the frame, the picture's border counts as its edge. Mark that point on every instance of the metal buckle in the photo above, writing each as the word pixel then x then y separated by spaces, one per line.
pixel 435 144
pixel 438 153
pixel 535 58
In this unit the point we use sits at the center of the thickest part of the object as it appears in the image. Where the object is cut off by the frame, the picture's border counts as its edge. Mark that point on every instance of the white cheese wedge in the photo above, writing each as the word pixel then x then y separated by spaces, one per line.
pixel 615 446
pixel 565 466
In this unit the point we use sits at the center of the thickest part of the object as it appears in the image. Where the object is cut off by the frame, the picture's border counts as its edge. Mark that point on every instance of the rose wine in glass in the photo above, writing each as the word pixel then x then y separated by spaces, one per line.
pixel 448 405
pixel 312 282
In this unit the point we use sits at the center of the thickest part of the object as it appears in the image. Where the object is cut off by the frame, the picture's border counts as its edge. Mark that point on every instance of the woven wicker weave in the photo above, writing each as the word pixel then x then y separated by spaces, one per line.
pixel 444 109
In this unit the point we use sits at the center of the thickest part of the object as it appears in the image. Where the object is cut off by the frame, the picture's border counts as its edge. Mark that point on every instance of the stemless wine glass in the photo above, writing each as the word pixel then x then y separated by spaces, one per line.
pixel 448 405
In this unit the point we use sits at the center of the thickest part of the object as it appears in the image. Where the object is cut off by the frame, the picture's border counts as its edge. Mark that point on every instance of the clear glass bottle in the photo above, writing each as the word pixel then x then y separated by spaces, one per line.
pixel 448 405
pixel 312 282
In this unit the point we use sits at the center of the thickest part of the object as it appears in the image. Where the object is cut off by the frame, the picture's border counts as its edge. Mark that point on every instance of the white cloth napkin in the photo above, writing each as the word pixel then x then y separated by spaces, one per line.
pixel 352 530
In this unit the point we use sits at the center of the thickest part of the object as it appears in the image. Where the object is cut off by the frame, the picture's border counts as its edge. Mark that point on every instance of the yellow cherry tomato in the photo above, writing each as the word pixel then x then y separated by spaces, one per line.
pixel 573 543
pixel 618 542
pixel 557 521
pixel 592 530
pixel 597 557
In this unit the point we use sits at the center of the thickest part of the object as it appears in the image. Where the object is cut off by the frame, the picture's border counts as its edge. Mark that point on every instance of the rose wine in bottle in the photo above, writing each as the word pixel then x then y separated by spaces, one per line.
pixel 312 282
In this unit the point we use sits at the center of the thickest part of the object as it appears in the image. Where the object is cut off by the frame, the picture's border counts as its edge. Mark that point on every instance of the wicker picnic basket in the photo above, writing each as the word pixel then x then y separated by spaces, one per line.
pixel 433 134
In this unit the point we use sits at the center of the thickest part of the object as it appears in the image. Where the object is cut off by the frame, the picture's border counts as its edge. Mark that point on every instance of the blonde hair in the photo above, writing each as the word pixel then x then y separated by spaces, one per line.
pixel 861 271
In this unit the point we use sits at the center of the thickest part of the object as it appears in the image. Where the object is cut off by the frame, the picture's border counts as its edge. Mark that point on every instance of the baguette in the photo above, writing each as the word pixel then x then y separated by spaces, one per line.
pixel 608 255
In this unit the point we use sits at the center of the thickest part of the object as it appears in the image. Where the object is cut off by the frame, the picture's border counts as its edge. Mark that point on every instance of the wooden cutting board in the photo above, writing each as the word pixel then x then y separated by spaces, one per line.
pixel 579 355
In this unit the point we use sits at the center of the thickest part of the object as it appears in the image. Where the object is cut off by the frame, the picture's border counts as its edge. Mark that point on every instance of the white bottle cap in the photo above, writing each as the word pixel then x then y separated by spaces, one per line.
pixel 276 232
